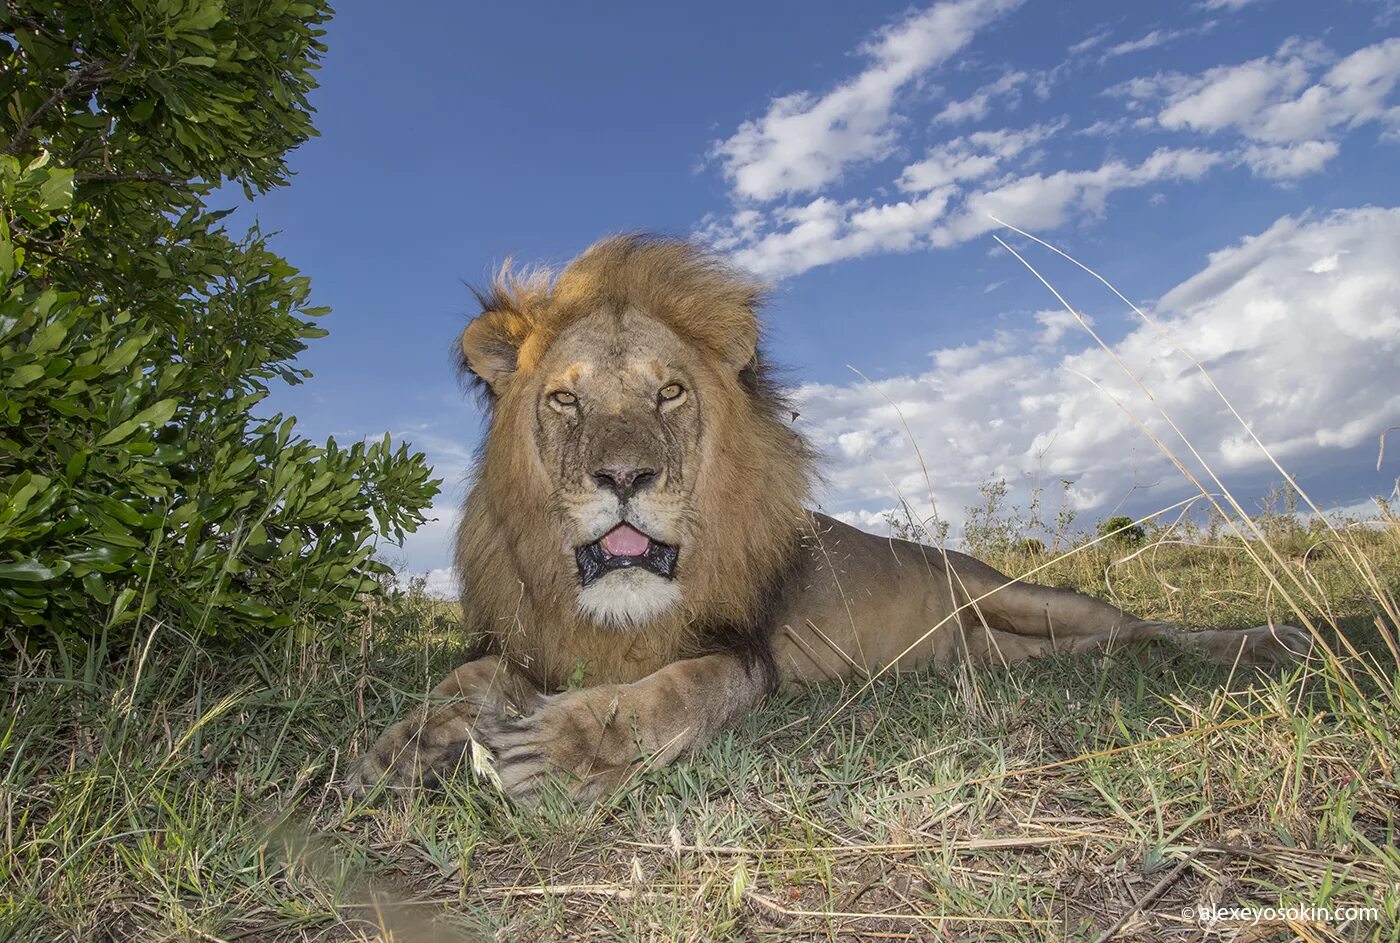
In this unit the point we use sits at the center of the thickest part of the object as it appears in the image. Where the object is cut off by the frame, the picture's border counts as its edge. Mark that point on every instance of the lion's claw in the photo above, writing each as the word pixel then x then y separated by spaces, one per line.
pixel 1284 643
pixel 1265 646
pixel 565 735
pixel 422 750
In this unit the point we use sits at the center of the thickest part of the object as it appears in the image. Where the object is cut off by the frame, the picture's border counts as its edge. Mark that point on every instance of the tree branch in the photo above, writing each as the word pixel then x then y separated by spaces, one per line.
pixel 134 177
pixel 80 81
pixel 76 80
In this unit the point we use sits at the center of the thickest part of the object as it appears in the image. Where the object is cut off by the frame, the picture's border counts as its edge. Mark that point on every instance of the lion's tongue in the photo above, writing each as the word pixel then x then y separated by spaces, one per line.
pixel 625 541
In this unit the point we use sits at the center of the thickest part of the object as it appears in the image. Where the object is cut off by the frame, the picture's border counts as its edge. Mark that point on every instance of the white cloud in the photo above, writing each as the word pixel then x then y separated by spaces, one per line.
pixel 1157 37
pixel 1364 511
pixel 877 522
pixel 1045 202
pixel 430 547
pixel 1056 323
pixel 1299 325
pixel 1287 161
pixel 825 231
pixel 1289 108
pixel 976 107
pixel 954 162
pixel 1286 112
pixel 1227 4
pixel 740 228
pixel 804 142
pixel 972 157
pixel 441 583
pixel 1326 264
pixel 1232 95
pixel 1089 42
pixel 1102 128
pixel 1277 100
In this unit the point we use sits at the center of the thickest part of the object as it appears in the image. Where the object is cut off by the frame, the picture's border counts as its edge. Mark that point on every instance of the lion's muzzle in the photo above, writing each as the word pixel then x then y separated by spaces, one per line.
pixel 624 547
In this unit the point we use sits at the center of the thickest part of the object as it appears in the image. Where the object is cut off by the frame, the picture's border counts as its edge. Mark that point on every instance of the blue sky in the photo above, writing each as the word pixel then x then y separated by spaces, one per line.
pixel 1228 164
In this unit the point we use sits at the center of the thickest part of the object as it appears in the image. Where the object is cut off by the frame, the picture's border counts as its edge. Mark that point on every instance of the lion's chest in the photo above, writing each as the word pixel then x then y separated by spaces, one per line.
pixel 585 655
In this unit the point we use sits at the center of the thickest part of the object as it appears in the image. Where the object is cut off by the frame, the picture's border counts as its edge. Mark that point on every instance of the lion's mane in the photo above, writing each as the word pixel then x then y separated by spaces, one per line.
pixel 518 587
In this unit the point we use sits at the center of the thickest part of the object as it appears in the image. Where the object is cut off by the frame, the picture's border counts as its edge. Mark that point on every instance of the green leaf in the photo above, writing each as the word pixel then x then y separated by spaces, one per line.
pixel 46 338
pixel 168 455
pixel 208 15
pixel 155 415
pixel 100 555
pixel 252 609
pixel 75 466
pixel 32 571
pixel 25 375
pixel 117 614
pixel 94 586
pixel 56 192
pixel 122 356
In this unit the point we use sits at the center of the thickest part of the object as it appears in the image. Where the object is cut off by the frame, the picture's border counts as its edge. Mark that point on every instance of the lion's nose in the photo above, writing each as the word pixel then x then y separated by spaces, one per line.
pixel 624 481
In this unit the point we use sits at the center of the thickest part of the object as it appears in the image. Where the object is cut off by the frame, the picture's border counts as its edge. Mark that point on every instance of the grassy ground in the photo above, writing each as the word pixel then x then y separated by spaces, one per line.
pixel 183 794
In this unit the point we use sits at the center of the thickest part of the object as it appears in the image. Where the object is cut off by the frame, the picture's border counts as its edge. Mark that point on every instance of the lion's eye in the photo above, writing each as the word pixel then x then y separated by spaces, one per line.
pixel 669 392
pixel 563 398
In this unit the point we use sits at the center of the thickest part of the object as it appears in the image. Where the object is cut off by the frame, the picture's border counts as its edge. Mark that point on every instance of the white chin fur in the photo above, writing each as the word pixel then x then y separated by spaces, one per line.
pixel 628 599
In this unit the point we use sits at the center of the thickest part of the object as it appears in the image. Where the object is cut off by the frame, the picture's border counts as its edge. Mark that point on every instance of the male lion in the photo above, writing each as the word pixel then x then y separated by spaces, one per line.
pixel 637 517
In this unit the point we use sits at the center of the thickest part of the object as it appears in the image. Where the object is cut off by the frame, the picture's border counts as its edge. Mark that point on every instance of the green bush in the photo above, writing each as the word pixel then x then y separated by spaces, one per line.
pixel 137 336
pixel 1121 530
pixel 1030 546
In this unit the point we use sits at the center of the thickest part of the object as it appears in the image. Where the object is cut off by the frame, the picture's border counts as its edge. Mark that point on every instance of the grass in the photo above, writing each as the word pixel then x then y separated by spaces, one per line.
pixel 185 794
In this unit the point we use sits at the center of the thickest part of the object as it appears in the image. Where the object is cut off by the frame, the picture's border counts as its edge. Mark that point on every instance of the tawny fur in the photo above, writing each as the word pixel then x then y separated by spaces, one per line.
pixel 767 590
pixel 517 585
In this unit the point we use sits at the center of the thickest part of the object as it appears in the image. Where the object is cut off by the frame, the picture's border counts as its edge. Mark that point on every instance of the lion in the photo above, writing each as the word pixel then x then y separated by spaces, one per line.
pixel 638 521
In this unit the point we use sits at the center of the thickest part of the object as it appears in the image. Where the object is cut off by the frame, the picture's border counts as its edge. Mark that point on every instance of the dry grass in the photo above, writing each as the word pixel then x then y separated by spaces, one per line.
pixel 188 794
pixel 193 802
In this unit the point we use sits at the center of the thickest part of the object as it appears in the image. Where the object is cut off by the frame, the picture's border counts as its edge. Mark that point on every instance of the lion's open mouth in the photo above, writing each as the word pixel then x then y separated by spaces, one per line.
pixel 620 548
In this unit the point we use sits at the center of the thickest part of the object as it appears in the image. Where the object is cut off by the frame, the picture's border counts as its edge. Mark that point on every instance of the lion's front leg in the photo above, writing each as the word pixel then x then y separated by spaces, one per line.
pixel 431 740
pixel 595 737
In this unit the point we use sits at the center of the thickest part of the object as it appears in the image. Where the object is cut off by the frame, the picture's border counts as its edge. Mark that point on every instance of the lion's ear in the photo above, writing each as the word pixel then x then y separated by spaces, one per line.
pixel 739 328
pixel 491 346
pixel 741 347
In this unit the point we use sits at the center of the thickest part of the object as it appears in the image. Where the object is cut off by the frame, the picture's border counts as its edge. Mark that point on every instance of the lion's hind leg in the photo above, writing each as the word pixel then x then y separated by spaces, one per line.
pixel 1261 646
pixel 1021 620
pixel 1264 646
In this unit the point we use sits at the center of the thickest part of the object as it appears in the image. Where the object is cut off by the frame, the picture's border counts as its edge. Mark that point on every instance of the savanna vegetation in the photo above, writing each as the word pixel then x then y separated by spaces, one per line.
pixel 139 479
pixel 197 641
pixel 184 793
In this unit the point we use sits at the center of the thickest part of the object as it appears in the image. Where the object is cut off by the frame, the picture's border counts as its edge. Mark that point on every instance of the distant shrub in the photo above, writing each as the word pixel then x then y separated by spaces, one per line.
pixel 137 337
pixel 993 526
pixel 997 526
pixel 1121 530
pixel 905 525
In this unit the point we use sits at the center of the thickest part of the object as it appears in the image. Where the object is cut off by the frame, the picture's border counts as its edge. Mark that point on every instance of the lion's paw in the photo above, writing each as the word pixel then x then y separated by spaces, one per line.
pixel 416 764
pixel 419 751
pixel 572 736
pixel 1275 645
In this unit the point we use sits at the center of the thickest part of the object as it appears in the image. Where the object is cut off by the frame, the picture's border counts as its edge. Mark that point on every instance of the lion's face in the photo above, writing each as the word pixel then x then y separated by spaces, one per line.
pixel 618 422
pixel 639 472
